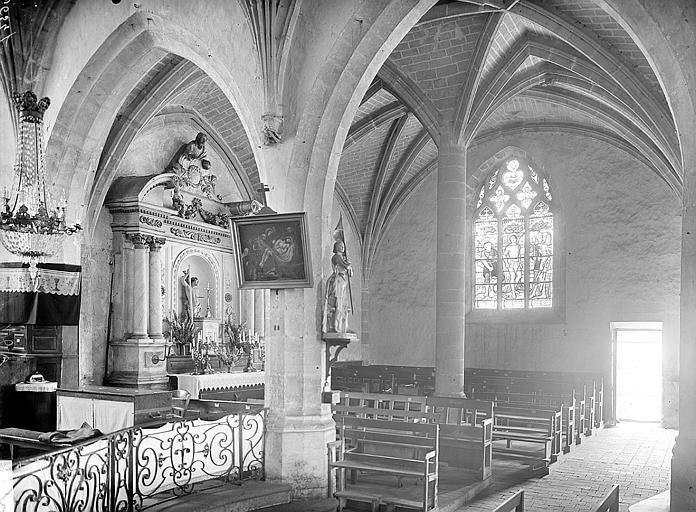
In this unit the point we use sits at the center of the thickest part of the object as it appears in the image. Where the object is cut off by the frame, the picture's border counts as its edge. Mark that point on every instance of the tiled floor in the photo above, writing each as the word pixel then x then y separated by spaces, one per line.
pixel 634 455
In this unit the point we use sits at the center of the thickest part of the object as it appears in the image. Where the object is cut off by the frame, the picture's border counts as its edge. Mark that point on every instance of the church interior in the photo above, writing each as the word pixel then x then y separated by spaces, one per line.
pixel 217 272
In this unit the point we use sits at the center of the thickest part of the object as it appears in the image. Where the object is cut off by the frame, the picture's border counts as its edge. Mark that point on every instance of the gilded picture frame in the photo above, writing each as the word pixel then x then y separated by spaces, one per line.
pixel 272 251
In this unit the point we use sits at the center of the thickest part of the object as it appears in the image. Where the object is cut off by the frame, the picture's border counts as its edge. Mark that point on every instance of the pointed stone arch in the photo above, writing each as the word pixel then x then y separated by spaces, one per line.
pixel 87 114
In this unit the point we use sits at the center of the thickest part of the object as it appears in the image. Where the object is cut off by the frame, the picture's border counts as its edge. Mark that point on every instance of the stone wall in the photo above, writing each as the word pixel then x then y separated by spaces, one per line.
pixel 622 256
pixel 97 268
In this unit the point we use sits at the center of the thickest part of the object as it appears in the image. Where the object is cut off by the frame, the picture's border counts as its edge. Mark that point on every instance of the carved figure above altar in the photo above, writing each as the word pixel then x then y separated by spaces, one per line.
pixel 185 159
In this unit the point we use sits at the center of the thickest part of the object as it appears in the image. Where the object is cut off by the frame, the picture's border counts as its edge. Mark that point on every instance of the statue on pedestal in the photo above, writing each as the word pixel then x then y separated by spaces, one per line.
pixel 191 306
pixel 338 300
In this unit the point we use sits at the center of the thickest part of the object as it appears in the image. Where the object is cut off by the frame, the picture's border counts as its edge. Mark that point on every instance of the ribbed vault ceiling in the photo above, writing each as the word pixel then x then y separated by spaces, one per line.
pixel 543 64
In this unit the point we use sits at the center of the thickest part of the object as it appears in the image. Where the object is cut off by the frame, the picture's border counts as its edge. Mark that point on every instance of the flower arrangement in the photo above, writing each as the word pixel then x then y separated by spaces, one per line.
pixel 181 332
pixel 240 343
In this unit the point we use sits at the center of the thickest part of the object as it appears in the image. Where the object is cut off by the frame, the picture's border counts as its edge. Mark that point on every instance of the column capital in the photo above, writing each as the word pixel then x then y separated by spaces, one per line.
pixel 139 240
pixel 156 243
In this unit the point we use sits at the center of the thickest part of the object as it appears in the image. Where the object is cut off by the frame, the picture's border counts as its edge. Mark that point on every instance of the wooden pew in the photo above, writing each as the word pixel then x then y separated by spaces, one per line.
pixel 567 405
pixel 529 425
pixel 466 432
pixel 411 380
pixel 514 503
pixel 379 406
pixel 541 387
pixel 466 426
pixel 610 503
pixel 400 449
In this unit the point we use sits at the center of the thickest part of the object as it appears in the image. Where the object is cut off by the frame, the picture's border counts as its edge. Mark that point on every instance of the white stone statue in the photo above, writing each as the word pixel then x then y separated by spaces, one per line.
pixel 337 303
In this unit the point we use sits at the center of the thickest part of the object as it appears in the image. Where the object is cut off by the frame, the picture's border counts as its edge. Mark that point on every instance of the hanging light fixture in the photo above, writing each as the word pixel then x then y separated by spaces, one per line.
pixel 32 224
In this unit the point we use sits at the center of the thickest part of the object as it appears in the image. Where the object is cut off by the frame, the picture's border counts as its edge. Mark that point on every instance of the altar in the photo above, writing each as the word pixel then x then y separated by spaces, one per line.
pixel 242 384
pixel 176 300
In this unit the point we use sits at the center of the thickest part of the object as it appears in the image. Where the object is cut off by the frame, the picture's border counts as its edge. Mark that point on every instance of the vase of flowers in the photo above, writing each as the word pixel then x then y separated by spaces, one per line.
pixel 181 333
pixel 238 342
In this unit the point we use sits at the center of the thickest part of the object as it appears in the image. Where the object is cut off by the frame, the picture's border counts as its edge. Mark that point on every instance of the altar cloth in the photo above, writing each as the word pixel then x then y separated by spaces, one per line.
pixel 194 384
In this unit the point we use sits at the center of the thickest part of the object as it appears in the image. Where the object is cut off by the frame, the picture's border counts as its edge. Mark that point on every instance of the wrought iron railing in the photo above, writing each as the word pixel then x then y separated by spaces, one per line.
pixel 136 468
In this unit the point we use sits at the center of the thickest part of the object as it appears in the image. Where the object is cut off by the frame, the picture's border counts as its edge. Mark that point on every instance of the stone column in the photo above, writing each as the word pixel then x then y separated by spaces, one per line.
pixel 155 287
pixel 250 315
pixel 365 326
pixel 259 311
pixel 683 486
pixel 141 286
pixel 299 426
pixel 450 289
pixel 138 360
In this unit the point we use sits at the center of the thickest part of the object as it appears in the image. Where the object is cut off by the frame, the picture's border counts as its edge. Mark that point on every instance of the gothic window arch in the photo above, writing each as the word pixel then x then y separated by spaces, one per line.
pixel 514 239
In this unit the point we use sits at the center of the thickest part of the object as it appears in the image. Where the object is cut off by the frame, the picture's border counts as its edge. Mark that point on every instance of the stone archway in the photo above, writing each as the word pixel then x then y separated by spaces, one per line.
pixel 664 32
pixel 86 116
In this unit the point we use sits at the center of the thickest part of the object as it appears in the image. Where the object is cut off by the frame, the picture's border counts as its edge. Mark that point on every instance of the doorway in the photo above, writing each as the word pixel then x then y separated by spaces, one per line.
pixel 637 351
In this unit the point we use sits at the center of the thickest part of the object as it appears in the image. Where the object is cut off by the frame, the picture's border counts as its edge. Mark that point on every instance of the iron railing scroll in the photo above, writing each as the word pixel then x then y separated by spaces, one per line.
pixel 139 467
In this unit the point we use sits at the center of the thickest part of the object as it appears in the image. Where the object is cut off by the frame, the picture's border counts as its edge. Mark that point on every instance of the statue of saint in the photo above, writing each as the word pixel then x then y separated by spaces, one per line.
pixel 337 303
pixel 187 155
pixel 186 296
pixel 197 306
pixel 191 305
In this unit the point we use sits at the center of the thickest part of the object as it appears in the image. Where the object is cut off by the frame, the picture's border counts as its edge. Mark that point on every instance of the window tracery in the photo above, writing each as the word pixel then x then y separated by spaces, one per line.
pixel 514 240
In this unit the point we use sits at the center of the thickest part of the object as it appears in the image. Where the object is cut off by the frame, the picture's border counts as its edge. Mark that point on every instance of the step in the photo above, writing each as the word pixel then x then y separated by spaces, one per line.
pixel 383 499
pixel 306 505
pixel 227 497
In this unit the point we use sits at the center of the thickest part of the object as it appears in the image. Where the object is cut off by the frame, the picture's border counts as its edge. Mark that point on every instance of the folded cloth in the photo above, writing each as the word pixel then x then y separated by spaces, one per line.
pixel 70 436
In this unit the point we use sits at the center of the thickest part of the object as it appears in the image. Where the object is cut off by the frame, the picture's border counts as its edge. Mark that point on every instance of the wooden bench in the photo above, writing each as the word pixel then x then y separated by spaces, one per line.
pixel 567 405
pixel 404 450
pixel 529 425
pixel 513 503
pixel 380 406
pixel 466 432
pixel 466 426
pixel 554 389
pixel 610 503
pixel 411 380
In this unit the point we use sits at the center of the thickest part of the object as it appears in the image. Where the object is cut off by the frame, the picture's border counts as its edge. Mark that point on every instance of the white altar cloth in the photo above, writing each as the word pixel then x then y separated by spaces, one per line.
pixel 194 384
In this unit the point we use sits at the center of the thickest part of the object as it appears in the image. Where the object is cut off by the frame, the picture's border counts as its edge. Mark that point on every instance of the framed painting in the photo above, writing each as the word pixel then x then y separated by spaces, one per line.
pixel 272 251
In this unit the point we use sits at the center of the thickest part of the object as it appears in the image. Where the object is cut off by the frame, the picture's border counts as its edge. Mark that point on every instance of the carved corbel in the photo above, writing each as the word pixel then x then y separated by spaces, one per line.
pixel 272 129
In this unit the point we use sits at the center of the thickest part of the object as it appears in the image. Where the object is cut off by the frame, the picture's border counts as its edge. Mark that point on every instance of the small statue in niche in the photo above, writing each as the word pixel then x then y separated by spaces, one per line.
pixel 197 306
pixel 191 305
pixel 186 296
pixel 338 300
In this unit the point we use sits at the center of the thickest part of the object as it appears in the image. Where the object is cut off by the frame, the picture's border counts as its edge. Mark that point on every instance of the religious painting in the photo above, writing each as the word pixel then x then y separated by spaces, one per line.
pixel 272 251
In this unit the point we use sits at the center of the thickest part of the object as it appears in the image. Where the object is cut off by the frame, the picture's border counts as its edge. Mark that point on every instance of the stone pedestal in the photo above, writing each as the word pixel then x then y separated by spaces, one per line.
pixel 451 268
pixel 139 363
pixel 298 448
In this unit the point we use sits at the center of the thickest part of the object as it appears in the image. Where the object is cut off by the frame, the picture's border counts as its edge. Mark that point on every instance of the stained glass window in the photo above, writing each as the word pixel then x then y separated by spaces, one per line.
pixel 513 240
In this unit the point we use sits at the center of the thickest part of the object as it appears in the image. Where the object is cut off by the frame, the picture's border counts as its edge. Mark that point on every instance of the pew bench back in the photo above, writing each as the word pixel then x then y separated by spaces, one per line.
pixel 404 450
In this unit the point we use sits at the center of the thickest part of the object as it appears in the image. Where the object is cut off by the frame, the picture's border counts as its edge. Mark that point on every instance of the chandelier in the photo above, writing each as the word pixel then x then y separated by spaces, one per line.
pixel 32 224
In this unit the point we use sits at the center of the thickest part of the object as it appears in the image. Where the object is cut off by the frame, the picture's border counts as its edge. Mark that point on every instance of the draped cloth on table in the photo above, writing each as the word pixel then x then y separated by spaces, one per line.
pixel 51 297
